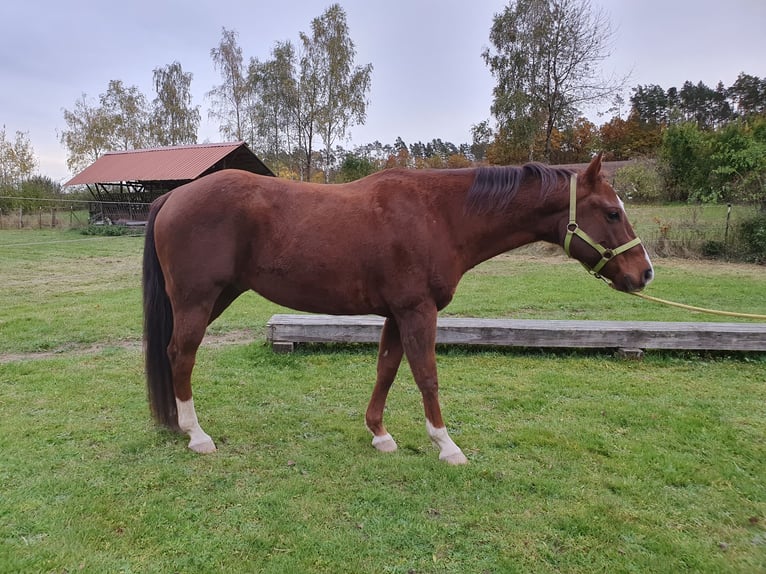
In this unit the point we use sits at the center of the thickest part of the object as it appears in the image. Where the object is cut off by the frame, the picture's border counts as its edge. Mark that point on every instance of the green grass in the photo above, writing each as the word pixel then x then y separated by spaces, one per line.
pixel 578 462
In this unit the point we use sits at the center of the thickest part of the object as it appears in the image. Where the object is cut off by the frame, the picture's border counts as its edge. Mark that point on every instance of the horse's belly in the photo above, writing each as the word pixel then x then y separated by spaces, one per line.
pixel 335 295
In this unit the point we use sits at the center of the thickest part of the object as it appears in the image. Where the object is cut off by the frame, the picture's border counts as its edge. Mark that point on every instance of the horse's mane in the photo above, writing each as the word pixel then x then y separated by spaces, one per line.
pixel 494 188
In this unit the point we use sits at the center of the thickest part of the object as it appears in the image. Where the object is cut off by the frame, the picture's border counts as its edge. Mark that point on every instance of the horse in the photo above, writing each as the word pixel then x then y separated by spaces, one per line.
pixel 393 244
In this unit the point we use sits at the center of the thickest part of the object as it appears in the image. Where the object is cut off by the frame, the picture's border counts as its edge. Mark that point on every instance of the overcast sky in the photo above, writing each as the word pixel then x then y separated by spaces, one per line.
pixel 428 80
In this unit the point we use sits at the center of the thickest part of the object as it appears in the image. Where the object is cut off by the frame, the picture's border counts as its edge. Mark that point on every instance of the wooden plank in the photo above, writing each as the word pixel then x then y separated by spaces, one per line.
pixel 285 328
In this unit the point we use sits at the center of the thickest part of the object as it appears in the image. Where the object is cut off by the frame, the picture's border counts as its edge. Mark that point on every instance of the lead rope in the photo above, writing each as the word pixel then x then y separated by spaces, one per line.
pixel 699 309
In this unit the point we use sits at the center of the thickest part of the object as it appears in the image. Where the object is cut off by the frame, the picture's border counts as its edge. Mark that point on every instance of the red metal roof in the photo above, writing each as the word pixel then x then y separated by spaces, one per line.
pixel 158 164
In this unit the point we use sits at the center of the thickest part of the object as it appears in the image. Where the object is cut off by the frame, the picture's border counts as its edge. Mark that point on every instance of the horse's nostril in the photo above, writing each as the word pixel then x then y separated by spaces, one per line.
pixel 648 275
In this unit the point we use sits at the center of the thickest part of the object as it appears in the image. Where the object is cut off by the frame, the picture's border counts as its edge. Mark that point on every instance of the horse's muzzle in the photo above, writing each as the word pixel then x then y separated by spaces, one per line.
pixel 630 284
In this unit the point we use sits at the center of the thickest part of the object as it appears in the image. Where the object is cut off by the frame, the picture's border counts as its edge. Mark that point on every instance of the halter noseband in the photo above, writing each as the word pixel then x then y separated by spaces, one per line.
pixel 574 229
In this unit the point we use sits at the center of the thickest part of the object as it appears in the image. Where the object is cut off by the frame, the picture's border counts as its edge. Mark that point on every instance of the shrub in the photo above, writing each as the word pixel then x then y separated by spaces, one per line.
pixel 685 161
pixel 639 182
pixel 105 230
pixel 753 233
pixel 713 248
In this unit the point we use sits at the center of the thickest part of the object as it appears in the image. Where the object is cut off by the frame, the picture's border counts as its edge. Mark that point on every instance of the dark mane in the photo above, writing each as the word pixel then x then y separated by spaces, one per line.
pixel 494 188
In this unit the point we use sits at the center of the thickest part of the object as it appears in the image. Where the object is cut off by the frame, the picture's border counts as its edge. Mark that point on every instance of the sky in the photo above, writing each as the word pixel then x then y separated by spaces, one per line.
pixel 428 80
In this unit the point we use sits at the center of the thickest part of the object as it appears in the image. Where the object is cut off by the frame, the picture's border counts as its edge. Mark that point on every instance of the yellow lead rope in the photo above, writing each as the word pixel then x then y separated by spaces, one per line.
pixel 700 309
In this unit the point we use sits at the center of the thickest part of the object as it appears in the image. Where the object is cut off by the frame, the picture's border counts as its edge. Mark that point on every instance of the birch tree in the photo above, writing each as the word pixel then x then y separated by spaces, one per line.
pixel 231 99
pixel 175 120
pixel 336 88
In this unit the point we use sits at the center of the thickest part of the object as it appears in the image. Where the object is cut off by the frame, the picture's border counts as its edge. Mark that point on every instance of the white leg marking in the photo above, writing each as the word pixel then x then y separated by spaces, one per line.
pixel 448 450
pixel 199 441
pixel 384 443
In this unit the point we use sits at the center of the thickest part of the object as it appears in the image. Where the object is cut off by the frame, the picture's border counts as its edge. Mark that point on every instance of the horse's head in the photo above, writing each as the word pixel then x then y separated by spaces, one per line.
pixel 599 235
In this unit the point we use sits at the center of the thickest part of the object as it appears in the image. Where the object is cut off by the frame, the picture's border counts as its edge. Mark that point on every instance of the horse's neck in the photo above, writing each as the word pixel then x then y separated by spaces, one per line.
pixel 524 222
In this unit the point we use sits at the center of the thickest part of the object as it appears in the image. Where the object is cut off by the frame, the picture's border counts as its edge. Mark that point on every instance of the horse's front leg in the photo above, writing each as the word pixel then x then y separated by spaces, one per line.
pixel 389 358
pixel 418 335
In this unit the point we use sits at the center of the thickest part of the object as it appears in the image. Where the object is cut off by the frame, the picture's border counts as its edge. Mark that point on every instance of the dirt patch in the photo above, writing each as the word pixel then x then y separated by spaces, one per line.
pixel 211 341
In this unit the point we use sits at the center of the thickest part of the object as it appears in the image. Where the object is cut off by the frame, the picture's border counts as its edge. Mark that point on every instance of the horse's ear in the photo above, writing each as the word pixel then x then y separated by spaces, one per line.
pixel 594 168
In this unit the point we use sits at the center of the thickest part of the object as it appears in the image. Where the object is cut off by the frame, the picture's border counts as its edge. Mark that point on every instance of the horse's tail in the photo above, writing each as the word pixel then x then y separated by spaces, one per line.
pixel 158 328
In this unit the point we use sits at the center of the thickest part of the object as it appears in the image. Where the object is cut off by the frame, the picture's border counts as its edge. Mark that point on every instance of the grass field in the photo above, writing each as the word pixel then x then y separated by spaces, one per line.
pixel 579 462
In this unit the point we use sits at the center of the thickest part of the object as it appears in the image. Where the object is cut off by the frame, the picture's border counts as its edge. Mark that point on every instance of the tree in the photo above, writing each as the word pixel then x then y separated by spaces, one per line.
pixel 331 91
pixel 276 100
pixel 231 100
pixel 739 161
pixel 340 87
pixel 544 57
pixel 576 143
pixel 35 188
pixel 17 160
pixel 707 107
pixel 650 105
pixel 127 115
pixel 399 155
pixel 119 122
pixel 749 94
pixel 282 104
pixel 354 166
pixel 88 135
pixel 685 162
pixel 615 136
pixel 174 120
pixel 481 138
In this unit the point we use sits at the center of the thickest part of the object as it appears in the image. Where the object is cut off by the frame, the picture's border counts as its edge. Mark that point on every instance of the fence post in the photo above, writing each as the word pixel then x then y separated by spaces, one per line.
pixel 21 217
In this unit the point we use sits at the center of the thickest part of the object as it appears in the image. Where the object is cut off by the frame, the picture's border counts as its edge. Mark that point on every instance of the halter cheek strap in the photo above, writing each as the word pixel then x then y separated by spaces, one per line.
pixel 574 229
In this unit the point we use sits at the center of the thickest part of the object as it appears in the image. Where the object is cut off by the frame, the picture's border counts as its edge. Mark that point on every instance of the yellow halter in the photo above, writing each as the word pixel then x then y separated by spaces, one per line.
pixel 574 229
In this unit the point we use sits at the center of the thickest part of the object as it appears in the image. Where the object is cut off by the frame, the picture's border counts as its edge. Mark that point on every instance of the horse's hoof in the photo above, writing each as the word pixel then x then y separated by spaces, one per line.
pixel 455 458
pixel 384 443
pixel 203 447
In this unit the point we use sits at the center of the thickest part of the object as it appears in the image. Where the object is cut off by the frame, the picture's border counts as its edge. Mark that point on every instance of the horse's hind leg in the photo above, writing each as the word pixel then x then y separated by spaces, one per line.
pixel 389 359
pixel 189 325
pixel 188 330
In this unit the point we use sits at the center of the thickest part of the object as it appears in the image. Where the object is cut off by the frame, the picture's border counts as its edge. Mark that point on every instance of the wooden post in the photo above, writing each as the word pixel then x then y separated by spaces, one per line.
pixel 282 347
pixel 631 354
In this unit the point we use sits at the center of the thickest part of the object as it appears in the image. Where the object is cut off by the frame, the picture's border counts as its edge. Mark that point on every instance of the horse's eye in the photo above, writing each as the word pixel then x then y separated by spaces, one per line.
pixel 613 216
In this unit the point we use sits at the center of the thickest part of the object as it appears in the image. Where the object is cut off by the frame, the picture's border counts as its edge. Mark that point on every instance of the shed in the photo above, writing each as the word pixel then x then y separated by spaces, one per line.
pixel 123 183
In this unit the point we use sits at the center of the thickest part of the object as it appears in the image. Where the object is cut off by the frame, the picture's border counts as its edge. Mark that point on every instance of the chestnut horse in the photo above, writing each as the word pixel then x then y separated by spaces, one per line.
pixel 393 244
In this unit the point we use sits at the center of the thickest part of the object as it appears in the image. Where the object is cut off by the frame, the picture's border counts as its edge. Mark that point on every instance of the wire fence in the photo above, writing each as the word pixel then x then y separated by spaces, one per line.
pixel 60 213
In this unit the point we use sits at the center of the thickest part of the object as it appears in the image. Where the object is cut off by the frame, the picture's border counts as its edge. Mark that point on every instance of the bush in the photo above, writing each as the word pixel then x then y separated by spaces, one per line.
pixel 713 248
pixel 639 182
pixel 105 230
pixel 685 163
pixel 753 233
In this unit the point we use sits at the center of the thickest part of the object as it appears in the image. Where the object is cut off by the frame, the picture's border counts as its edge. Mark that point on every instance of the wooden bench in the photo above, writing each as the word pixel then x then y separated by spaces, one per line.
pixel 284 331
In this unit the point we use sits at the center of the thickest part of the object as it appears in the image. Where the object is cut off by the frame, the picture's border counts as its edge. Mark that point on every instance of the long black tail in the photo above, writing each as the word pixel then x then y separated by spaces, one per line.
pixel 158 328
